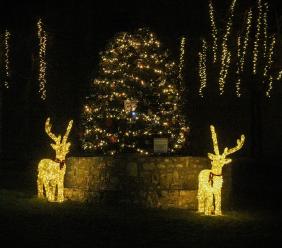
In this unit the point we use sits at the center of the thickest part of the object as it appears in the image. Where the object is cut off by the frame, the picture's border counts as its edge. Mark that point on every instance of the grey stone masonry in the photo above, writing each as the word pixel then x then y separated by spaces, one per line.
pixel 139 180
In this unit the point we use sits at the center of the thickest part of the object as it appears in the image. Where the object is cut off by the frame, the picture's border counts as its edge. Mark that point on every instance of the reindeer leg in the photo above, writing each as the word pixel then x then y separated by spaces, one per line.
pixel 201 200
pixel 217 197
pixel 50 191
pixel 47 190
pixel 60 191
pixel 53 191
pixel 209 203
pixel 40 187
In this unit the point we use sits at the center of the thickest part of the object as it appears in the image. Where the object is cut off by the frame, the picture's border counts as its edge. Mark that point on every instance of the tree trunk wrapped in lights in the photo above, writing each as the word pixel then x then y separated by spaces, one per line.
pixel 42 36
pixel 133 69
pixel 51 172
pixel 210 181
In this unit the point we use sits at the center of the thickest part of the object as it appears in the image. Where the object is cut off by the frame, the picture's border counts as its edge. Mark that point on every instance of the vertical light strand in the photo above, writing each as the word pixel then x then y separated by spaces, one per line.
pixel 203 68
pixel 246 40
pixel 226 54
pixel 265 30
pixel 238 87
pixel 42 36
pixel 270 57
pixel 226 68
pixel 214 31
pixel 238 66
pixel 279 76
pixel 242 44
pixel 181 58
pixel 238 54
pixel 268 66
pixel 7 59
pixel 270 83
pixel 238 47
pixel 257 37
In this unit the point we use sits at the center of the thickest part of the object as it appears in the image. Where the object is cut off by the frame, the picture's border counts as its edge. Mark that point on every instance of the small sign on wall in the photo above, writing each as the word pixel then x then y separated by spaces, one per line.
pixel 160 145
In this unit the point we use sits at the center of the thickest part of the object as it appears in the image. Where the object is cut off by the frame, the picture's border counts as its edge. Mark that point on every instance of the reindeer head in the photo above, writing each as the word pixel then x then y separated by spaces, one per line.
pixel 61 145
pixel 219 160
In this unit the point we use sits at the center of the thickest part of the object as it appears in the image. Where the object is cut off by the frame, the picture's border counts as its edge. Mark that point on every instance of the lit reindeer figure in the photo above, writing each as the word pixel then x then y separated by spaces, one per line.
pixel 210 181
pixel 51 172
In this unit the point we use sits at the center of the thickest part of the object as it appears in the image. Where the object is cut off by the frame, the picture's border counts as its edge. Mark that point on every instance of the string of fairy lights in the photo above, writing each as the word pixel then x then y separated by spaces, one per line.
pixel 203 68
pixel 238 83
pixel 246 40
pixel 267 67
pixel 265 26
pixel 238 50
pixel 225 53
pixel 7 59
pixel 238 87
pixel 42 36
pixel 257 37
pixel 241 52
pixel 214 31
pixel 270 57
pixel 279 76
pixel 270 85
pixel 181 58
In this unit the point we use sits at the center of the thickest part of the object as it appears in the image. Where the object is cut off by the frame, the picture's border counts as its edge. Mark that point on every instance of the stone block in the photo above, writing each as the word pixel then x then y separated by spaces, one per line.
pixel 132 169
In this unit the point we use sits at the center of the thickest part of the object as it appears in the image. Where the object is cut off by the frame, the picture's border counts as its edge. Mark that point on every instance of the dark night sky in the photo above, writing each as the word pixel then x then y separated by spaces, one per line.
pixel 78 31
pixel 86 26
pixel 95 22
pixel 172 17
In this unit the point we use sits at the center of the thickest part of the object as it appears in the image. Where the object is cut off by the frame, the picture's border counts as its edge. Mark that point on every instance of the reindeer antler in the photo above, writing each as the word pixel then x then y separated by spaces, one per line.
pixel 214 140
pixel 64 140
pixel 240 143
pixel 48 127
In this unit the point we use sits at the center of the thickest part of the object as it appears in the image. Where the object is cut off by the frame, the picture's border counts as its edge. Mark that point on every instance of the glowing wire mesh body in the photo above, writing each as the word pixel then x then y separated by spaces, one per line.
pixel 210 181
pixel 51 172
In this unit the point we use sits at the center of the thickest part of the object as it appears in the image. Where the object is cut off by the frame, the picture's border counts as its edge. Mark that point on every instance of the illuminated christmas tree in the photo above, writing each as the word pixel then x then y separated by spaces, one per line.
pixel 134 99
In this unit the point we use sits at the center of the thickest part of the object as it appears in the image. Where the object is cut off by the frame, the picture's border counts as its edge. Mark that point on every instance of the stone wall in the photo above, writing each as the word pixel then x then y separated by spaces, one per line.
pixel 137 180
